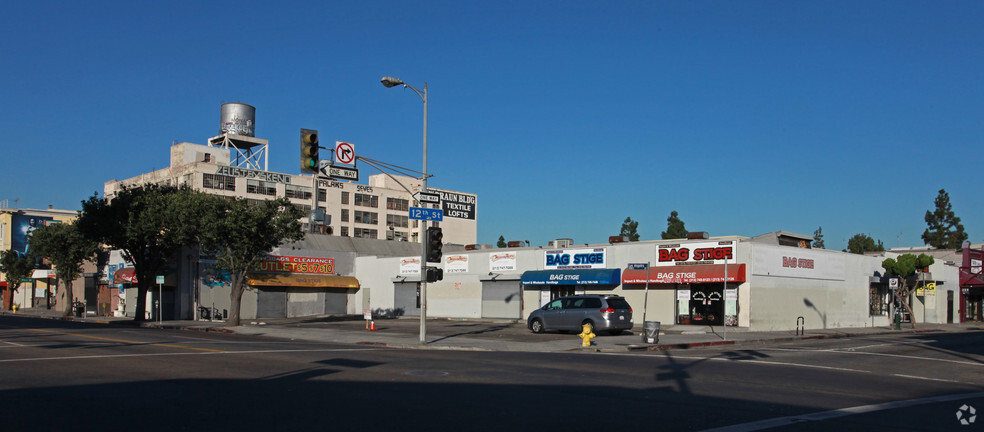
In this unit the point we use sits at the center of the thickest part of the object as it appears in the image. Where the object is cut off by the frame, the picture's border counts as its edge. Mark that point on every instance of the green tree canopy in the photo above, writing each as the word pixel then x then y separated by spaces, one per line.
pixel 818 238
pixel 67 249
pixel 944 230
pixel 240 234
pixel 14 267
pixel 149 224
pixel 629 229
pixel 502 242
pixel 905 267
pixel 674 227
pixel 861 243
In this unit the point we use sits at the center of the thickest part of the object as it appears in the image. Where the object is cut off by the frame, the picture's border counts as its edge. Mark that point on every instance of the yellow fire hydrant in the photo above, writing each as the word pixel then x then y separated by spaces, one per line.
pixel 586 335
pixel 15 307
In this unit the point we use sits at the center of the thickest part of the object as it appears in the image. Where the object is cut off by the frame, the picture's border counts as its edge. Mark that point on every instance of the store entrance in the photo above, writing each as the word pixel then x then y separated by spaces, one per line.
pixel 974 307
pixel 703 306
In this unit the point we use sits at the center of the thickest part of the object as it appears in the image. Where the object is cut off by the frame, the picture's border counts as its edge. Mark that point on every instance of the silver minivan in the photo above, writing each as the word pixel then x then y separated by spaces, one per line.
pixel 607 313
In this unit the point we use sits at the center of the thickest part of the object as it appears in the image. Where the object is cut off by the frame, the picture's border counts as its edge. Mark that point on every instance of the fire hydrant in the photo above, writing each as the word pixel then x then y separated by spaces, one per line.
pixel 586 335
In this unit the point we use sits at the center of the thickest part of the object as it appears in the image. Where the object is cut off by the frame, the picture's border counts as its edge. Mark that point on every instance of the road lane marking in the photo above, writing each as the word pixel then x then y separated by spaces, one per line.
pixel 126 341
pixel 843 412
pixel 11 343
pixel 842 351
pixel 929 379
pixel 220 353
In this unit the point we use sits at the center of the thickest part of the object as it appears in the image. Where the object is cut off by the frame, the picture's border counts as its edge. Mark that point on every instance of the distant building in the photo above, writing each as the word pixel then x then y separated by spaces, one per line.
pixel 39 290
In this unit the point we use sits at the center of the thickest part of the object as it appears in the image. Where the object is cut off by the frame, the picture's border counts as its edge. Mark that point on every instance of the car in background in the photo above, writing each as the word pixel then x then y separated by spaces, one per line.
pixel 605 313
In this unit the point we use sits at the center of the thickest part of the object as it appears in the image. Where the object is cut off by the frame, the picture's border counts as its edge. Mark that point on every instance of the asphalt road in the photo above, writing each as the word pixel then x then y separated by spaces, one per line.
pixel 65 376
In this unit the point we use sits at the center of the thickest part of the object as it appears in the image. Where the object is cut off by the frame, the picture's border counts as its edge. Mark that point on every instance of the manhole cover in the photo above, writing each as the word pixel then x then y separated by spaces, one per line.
pixel 427 373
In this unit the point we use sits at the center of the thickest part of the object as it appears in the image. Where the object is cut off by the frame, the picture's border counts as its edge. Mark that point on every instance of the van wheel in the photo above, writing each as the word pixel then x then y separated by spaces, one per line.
pixel 536 326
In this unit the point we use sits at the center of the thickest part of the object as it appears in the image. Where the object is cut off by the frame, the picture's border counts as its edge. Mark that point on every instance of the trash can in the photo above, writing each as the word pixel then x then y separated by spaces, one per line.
pixel 79 309
pixel 650 332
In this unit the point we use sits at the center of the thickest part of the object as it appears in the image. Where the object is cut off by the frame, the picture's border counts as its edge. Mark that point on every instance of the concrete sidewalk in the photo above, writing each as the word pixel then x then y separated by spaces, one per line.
pixel 491 335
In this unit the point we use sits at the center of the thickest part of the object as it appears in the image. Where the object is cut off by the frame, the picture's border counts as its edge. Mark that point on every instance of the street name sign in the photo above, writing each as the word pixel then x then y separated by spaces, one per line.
pixel 638 266
pixel 426 214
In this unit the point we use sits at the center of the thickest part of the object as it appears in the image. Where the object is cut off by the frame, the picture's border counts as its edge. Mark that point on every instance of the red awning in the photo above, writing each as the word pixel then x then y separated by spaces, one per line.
pixel 3 284
pixel 125 275
pixel 705 273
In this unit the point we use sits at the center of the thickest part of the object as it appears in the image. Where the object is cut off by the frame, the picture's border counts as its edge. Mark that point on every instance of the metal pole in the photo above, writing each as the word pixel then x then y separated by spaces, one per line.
pixel 423 235
pixel 725 293
pixel 645 301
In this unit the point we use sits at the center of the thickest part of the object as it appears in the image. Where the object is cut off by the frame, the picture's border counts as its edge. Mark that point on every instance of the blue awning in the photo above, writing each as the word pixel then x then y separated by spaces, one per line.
pixel 573 277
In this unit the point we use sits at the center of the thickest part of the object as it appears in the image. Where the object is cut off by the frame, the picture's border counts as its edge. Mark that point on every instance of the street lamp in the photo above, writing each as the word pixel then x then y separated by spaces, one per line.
pixel 390 82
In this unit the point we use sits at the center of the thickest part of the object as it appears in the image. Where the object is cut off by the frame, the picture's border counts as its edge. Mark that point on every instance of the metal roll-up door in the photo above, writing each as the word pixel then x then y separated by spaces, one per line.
pixel 502 299
pixel 406 298
pixel 271 303
pixel 336 301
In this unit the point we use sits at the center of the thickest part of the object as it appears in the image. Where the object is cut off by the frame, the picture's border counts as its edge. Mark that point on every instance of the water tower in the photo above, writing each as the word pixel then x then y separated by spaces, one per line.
pixel 237 128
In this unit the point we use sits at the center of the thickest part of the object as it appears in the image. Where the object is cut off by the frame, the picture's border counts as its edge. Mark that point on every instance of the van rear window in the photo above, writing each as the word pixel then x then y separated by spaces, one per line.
pixel 618 303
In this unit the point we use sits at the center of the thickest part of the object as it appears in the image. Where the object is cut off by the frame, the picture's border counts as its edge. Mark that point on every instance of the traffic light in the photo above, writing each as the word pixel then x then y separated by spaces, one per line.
pixel 309 151
pixel 435 274
pixel 435 241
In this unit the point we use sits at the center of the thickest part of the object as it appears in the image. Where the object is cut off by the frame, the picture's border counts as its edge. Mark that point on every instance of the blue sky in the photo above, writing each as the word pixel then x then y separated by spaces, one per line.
pixel 564 117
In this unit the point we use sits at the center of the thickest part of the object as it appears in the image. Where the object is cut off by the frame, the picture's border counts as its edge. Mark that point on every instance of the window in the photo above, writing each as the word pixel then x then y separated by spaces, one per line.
pixel 879 299
pixel 345 197
pixel 261 187
pixel 219 182
pixel 344 232
pixel 365 233
pixel 366 217
pixel 397 204
pixel 294 191
pixel 322 195
pixel 304 208
pixel 345 215
pixel 363 200
pixel 397 221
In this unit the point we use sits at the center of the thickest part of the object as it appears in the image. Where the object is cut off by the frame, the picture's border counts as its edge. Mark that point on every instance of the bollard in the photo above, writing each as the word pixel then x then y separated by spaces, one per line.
pixel 586 335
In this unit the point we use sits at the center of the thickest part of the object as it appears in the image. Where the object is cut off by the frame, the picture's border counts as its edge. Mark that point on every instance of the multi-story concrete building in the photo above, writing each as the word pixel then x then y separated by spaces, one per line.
pixel 376 210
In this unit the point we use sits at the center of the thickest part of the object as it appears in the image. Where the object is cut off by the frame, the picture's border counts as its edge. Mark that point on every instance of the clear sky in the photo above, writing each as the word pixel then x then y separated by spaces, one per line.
pixel 564 117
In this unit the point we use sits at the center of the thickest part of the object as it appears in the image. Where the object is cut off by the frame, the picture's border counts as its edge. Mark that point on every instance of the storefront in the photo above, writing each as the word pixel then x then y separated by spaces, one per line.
pixel 547 285
pixel 972 285
pixel 289 286
pixel 696 272
pixel 701 295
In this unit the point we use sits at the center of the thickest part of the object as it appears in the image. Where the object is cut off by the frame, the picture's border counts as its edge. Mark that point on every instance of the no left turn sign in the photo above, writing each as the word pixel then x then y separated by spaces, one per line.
pixel 344 152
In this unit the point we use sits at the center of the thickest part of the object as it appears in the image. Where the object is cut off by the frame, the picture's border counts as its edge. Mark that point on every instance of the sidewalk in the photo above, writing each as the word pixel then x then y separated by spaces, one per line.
pixel 490 335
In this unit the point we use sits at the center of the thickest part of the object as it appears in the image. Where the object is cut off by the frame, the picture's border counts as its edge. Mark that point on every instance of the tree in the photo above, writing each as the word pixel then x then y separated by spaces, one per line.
pixel 67 249
pixel 905 268
pixel 944 228
pixel 629 229
pixel 674 227
pixel 861 243
pixel 240 234
pixel 501 243
pixel 14 267
pixel 818 238
pixel 149 224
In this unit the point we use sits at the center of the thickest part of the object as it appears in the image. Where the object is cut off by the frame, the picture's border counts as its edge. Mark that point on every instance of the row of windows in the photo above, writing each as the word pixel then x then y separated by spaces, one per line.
pixel 260 187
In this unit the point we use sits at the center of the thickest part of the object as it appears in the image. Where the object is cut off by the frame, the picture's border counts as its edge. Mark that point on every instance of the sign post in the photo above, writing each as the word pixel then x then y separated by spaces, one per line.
pixel 160 296
pixel 645 301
